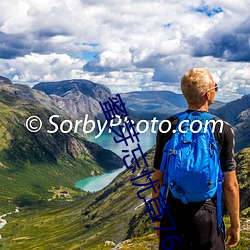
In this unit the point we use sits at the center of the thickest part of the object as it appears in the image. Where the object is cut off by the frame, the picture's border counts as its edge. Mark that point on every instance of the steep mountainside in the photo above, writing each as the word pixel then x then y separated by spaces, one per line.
pixel 77 97
pixel 232 110
pixel 237 114
pixel 242 130
pixel 243 174
pixel 32 163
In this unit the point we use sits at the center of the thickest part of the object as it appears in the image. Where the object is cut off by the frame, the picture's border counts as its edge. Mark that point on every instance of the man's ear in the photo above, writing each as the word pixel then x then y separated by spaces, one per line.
pixel 207 95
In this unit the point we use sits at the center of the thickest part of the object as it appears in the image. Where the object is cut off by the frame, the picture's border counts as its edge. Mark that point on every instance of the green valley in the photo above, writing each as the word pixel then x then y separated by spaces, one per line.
pixel 112 214
pixel 32 163
pixel 38 172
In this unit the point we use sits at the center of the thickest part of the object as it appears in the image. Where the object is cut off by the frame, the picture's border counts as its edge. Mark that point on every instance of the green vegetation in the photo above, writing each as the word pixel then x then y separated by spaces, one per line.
pixel 244 235
pixel 50 225
pixel 112 214
pixel 31 164
pixel 38 172
pixel 243 175
pixel 58 225
pixel 150 242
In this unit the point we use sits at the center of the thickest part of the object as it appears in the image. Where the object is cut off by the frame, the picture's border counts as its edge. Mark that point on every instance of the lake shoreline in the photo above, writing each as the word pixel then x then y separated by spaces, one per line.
pixel 96 183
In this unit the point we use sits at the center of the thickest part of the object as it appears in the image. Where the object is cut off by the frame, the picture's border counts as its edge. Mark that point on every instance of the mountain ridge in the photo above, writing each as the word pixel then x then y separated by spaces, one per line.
pixel 76 97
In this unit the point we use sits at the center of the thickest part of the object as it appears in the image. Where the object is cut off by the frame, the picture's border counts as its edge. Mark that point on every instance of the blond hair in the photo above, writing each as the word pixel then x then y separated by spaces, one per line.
pixel 195 83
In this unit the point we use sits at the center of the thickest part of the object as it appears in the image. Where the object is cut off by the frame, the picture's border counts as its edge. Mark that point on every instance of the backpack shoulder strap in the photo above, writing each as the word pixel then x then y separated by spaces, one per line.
pixel 182 115
pixel 208 116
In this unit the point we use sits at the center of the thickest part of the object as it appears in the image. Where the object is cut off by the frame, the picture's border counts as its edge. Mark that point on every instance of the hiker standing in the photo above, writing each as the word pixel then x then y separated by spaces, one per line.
pixel 193 170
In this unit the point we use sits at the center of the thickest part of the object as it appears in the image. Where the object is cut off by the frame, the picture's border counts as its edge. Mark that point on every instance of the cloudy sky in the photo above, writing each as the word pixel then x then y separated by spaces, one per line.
pixel 127 45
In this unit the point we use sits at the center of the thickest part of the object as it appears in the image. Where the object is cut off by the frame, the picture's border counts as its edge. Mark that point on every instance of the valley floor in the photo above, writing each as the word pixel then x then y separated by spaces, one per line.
pixel 57 225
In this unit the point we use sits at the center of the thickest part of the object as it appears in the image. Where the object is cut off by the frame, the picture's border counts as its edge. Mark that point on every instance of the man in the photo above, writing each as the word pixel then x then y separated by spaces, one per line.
pixel 196 222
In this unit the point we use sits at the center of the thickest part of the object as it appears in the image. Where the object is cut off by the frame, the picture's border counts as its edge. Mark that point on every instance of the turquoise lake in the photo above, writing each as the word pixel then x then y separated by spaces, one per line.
pixel 96 183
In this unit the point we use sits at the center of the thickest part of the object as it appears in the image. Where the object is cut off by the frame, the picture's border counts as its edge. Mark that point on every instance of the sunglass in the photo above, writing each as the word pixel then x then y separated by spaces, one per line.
pixel 216 87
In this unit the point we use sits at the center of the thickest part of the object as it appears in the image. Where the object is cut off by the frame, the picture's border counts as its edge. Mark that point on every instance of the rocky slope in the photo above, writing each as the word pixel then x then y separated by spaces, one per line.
pixel 80 97
pixel 77 97
pixel 232 110
pixel 242 130
pixel 237 114
pixel 243 175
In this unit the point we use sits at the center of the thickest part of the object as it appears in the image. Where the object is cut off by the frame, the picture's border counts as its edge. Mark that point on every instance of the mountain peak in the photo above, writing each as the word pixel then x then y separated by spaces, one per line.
pixel 4 80
pixel 76 97
pixel 63 88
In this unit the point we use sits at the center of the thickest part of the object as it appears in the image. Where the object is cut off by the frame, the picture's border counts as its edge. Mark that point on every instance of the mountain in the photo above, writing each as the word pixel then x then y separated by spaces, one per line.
pixel 77 97
pixel 112 214
pixel 242 130
pixel 232 110
pixel 4 80
pixel 237 113
pixel 159 104
pixel 80 97
pixel 34 166
pixel 31 164
pixel 216 105
pixel 150 104
pixel 243 175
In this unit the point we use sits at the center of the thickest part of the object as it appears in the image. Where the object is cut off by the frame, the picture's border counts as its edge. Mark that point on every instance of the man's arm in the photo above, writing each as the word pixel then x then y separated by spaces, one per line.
pixel 158 175
pixel 232 200
pixel 161 139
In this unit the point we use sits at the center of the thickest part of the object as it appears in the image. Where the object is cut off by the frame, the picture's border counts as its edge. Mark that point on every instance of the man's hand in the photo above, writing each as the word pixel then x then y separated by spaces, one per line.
pixel 233 234
pixel 157 224
pixel 232 200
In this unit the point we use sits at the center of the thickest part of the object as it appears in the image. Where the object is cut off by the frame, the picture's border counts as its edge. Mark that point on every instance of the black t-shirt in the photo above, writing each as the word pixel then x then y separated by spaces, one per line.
pixel 225 141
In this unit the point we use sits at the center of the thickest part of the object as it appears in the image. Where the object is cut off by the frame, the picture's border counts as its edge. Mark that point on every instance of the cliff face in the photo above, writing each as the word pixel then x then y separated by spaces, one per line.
pixel 77 97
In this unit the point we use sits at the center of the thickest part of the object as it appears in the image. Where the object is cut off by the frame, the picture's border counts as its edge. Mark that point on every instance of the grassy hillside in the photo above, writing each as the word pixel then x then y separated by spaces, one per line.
pixel 31 164
pixel 113 214
pixel 110 214
pixel 243 175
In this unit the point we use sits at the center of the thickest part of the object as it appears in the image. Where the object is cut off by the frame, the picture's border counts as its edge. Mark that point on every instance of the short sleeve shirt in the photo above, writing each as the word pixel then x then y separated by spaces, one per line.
pixel 224 136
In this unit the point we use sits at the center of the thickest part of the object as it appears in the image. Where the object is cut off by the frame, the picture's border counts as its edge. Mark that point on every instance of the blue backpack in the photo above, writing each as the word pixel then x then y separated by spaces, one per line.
pixel 191 161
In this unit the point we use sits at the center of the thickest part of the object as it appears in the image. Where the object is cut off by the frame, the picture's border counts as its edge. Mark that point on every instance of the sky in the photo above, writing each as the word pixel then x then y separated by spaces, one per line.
pixel 128 45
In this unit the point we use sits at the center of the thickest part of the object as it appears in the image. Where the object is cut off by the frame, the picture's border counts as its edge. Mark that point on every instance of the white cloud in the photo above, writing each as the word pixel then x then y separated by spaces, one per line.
pixel 34 68
pixel 141 44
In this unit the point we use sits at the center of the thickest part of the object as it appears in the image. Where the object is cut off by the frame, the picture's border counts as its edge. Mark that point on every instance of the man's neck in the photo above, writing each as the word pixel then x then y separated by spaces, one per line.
pixel 198 107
